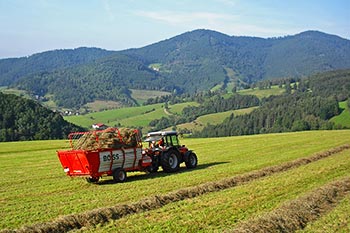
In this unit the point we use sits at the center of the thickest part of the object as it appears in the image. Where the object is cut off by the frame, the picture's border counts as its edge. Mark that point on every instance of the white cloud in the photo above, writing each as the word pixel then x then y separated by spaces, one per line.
pixel 181 18
pixel 225 23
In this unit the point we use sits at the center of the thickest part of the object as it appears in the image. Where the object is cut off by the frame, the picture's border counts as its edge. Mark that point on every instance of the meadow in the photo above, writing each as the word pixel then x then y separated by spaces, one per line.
pixel 343 119
pixel 141 116
pixel 238 180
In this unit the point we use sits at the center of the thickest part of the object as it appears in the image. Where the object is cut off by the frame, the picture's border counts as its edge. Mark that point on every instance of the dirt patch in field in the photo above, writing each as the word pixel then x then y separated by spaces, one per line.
pixel 104 215
pixel 296 214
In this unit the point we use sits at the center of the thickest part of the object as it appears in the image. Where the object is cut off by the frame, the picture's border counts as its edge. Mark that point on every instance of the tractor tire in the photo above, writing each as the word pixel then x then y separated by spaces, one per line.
pixel 155 165
pixel 93 180
pixel 119 175
pixel 171 161
pixel 191 161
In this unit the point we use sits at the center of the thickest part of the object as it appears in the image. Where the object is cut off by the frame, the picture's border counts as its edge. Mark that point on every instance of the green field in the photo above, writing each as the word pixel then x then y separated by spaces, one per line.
pixel 128 117
pixel 142 95
pixel 344 118
pixel 34 188
pixel 275 90
pixel 214 118
pixel 115 116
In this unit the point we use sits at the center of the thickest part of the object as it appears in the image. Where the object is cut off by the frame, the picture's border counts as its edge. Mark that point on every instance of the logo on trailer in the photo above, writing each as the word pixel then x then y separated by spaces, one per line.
pixel 108 157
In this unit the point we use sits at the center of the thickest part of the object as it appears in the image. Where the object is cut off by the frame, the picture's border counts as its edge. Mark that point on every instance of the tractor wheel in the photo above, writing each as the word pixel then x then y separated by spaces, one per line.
pixel 191 161
pixel 92 179
pixel 171 161
pixel 119 175
pixel 155 165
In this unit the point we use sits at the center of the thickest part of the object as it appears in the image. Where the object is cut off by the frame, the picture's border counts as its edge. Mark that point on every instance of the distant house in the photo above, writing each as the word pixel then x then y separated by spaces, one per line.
pixel 99 126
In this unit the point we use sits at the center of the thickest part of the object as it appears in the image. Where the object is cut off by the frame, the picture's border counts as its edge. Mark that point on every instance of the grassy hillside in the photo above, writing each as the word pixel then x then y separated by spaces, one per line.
pixel 214 118
pixel 344 118
pixel 142 95
pixel 275 90
pixel 141 116
pixel 33 182
pixel 131 116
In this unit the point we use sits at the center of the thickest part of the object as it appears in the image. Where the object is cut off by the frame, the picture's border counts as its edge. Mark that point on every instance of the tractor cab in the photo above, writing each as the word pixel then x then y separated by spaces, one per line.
pixel 167 152
pixel 163 139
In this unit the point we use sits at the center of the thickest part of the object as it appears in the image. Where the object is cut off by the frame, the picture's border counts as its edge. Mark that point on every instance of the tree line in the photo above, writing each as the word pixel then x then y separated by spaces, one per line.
pixel 307 105
pixel 23 119
pixel 290 112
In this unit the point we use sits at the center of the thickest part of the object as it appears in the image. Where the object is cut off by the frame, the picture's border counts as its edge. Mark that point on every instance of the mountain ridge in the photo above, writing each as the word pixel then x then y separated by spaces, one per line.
pixel 194 61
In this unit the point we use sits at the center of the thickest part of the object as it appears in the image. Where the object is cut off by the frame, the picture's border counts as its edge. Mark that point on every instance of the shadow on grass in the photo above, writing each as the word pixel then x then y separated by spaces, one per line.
pixel 144 176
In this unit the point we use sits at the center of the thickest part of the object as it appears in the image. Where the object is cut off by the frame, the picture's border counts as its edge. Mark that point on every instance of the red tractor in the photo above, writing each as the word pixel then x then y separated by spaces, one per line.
pixel 166 151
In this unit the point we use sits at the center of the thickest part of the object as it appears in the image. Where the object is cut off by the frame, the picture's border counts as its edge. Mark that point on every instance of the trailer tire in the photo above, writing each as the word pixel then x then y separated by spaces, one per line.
pixel 93 180
pixel 171 161
pixel 119 175
pixel 192 161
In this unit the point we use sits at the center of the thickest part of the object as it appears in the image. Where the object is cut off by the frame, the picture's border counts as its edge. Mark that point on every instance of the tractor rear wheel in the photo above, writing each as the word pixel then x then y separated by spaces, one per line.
pixel 171 161
pixel 191 161
pixel 119 175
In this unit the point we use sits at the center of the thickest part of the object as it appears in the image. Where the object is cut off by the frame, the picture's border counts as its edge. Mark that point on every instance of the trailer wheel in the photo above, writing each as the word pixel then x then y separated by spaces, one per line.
pixel 119 175
pixel 171 161
pixel 92 179
pixel 191 161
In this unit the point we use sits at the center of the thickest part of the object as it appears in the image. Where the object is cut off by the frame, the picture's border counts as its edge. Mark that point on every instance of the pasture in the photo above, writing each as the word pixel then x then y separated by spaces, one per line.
pixel 238 180
pixel 128 117
pixel 343 119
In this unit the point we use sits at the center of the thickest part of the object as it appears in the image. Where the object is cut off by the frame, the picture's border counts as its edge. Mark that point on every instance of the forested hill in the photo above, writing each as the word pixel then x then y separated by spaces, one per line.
pixel 194 61
pixel 307 105
pixel 23 119
pixel 251 58
pixel 12 69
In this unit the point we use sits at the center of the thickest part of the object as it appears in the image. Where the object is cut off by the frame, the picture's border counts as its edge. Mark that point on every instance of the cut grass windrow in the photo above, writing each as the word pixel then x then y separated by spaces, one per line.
pixel 296 214
pixel 107 214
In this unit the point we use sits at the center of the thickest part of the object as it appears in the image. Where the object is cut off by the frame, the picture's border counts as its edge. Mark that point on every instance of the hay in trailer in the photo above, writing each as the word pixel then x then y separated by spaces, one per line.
pixel 129 136
pixel 105 139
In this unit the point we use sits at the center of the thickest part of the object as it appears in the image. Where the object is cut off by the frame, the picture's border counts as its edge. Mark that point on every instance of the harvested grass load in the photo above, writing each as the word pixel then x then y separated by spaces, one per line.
pixel 109 138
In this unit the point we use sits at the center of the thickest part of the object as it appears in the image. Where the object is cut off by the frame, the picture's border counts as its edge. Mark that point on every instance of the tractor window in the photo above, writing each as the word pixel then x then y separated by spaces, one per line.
pixel 174 140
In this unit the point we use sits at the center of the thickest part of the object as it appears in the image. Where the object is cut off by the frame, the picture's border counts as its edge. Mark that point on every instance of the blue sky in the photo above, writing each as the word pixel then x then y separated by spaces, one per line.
pixel 32 26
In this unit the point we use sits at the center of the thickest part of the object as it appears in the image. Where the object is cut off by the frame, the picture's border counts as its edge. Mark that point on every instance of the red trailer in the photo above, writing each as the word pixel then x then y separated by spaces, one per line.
pixel 110 152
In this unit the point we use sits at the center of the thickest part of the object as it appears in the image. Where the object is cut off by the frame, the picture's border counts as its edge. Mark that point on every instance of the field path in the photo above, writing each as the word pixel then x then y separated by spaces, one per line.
pixel 107 214
pixel 167 112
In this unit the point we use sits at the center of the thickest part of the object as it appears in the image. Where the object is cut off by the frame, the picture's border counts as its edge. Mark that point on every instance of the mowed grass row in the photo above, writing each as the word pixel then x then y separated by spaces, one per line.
pixel 34 188
pixel 337 220
pixel 224 210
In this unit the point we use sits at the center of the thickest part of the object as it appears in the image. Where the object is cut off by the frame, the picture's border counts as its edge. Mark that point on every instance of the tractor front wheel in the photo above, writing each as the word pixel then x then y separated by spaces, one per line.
pixel 191 161
pixel 119 175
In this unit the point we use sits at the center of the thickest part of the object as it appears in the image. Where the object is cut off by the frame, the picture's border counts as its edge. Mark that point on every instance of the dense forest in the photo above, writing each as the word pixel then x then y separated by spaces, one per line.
pixel 290 112
pixel 24 119
pixel 13 69
pixel 192 62
pixel 74 87
pixel 307 106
